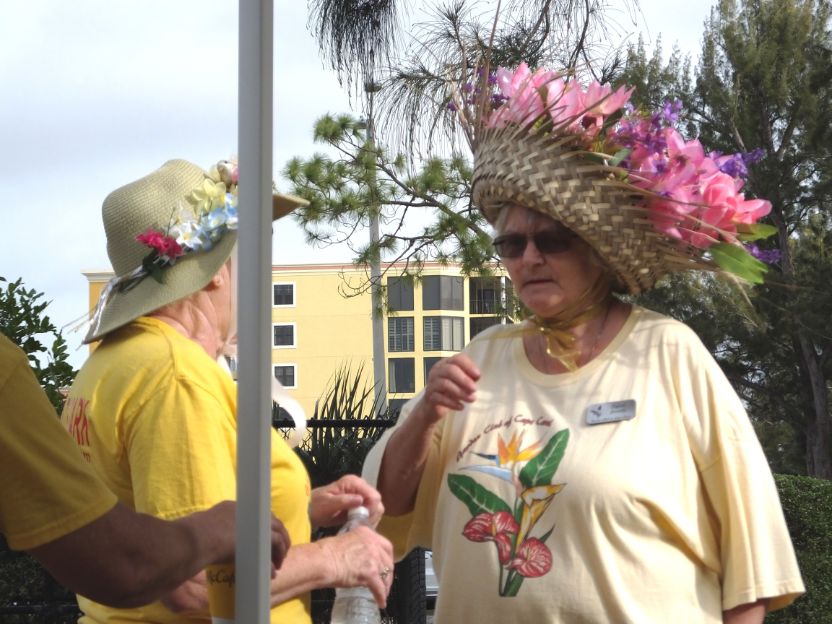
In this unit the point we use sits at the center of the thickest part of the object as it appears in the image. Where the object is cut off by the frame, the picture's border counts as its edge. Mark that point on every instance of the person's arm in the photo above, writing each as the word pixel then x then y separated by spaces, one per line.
pixel 753 613
pixel 451 384
pixel 359 558
pixel 125 559
pixel 355 559
pixel 329 504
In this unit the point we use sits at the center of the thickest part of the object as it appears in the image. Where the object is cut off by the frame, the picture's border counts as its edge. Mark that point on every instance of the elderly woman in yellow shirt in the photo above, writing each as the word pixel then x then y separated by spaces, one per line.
pixel 592 463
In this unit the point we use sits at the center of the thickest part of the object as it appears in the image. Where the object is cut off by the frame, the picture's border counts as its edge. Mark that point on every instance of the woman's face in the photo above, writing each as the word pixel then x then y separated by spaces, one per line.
pixel 550 279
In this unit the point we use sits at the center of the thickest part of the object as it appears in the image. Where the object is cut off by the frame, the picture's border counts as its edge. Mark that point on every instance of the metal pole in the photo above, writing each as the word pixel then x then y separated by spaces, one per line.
pixel 253 388
pixel 379 368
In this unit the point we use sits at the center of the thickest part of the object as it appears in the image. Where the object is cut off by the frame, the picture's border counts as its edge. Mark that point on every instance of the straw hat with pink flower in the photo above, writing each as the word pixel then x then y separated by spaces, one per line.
pixel 625 180
pixel 168 233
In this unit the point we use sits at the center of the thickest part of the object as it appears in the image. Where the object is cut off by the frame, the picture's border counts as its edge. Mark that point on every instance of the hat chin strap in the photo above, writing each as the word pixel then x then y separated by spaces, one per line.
pixel 560 342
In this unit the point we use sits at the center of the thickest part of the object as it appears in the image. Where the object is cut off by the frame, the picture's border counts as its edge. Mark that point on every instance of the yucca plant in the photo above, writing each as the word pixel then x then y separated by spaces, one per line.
pixel 347 421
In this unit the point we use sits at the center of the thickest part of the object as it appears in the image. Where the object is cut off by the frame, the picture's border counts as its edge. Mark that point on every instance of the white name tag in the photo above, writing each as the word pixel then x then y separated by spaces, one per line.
pixel 601 413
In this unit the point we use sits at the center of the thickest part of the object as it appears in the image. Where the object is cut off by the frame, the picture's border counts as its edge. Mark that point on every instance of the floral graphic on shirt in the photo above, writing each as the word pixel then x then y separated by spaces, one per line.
pixel 522 552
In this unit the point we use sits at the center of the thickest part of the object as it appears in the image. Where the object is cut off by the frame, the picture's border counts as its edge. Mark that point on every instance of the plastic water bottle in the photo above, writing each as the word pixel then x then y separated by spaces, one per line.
pixel 355 605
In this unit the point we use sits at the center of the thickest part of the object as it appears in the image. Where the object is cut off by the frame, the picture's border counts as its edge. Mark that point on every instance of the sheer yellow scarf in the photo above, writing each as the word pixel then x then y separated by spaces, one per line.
pixel 560 342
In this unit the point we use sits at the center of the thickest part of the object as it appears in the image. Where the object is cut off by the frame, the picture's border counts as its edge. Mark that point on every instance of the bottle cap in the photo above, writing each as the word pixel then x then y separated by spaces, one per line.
pixel 358 513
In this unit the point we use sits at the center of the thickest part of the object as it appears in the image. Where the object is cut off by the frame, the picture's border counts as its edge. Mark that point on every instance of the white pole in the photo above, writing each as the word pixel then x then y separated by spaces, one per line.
pixel 253 388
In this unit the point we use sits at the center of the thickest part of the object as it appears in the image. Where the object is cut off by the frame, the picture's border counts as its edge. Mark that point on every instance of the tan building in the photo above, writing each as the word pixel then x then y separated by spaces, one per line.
pixel 317 330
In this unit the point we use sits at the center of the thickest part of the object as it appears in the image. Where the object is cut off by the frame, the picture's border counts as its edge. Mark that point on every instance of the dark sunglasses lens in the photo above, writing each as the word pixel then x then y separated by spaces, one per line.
pixel 552 242
pixel 513 245
pixel 510 246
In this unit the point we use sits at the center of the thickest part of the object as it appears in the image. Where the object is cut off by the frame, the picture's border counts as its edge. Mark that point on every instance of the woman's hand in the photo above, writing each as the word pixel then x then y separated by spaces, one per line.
pixel 330 503
pixel 361 558
pixel 451 384
pixel 751 613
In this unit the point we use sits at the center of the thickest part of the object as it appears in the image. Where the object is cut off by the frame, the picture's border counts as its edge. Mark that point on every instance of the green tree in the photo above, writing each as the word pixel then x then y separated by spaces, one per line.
pixel 763 81
pixel 420 189
pixel 427 213
pixel 24 321
pixel 23 581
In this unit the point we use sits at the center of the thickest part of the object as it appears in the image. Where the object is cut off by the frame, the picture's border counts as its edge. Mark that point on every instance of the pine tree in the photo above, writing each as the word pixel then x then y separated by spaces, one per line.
pixel 764 81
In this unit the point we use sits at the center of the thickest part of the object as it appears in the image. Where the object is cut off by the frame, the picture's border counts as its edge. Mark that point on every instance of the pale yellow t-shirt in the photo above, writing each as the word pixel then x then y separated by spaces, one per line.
pixel 665 511
pixel 156 418
pixel 46 489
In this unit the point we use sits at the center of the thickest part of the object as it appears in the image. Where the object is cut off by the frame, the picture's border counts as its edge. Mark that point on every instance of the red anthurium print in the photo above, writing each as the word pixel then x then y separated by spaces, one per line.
pixel 499 527
pixel 533 558
pixel 486 526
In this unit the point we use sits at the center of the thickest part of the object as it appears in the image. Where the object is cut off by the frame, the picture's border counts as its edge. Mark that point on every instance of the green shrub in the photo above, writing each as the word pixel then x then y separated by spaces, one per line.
pixel 807 504
pixel 29 594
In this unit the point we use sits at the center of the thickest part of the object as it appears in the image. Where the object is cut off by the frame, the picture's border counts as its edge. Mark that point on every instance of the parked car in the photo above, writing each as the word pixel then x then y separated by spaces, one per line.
pixel 431 584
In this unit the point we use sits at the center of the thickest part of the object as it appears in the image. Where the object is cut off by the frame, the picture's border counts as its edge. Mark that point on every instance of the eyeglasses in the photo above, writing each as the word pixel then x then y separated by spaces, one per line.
pixel 547 242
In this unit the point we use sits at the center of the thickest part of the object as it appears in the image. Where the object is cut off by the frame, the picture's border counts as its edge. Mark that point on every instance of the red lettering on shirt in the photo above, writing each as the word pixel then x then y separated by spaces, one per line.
pixel 74 418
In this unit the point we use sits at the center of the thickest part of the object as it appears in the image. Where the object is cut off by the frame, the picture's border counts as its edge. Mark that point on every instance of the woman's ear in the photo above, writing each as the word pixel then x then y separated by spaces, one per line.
pixel 219 278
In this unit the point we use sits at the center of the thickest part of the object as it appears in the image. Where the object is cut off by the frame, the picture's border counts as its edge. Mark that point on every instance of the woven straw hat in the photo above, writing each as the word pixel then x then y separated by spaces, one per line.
pixel 150 203
pixel 547 174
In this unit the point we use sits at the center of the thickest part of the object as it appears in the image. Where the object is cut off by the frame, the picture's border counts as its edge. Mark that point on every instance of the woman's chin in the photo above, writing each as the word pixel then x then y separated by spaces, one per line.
pixel 545 308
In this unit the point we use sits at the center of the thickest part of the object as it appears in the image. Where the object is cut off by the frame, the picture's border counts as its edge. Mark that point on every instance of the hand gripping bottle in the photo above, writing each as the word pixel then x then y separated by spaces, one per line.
pixel 355 605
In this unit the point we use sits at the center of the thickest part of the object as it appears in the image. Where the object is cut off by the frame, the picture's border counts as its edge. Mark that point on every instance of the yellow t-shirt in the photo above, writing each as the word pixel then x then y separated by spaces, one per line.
pixel 554 499
pixel 46 490
pixel 156 417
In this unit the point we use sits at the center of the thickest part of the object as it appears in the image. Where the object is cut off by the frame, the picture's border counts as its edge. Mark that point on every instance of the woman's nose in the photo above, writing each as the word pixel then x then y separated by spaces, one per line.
pixel 531 254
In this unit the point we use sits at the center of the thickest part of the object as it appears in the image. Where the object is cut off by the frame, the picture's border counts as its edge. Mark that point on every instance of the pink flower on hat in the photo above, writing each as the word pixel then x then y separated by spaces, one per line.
pixel 165 246
pixel 525 91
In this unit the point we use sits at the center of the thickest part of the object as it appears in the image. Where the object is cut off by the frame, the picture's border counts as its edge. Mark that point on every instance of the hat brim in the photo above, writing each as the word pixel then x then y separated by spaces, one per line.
pixel 190 274
pixel 284 204
pixel 186 277
pixel 537 172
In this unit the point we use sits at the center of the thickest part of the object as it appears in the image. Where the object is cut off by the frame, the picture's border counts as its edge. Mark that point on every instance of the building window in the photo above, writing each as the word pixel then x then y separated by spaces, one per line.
pixel 284 335
pixel 484 295
pixel 429 364
pixel 401 375
pixel 394 407
pixel 444 333
pixel 480 323
pixel 400 294
pixel 512 305
pixel 285 374
pixel 399 334
pixel 442 292
pixel 283 295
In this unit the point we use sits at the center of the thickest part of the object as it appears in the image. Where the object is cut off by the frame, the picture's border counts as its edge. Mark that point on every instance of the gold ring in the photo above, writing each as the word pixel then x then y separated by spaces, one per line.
pixel 383 574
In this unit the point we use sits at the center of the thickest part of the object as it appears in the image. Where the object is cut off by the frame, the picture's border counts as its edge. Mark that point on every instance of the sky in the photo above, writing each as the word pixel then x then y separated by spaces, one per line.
pixel 97 93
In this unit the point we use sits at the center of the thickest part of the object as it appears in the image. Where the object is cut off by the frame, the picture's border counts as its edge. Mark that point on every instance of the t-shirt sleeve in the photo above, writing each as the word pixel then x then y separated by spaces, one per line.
pixel 415 528
pixel 46 488
pixel 756 553
pixel 180 446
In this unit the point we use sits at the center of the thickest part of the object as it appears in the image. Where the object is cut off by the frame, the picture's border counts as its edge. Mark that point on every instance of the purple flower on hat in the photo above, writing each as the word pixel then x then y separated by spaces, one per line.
pixel 769 256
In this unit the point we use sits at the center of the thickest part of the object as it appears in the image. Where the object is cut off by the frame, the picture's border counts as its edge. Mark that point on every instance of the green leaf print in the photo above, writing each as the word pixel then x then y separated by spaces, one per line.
pixel 513 583
pixel 541 469
pixel 474 496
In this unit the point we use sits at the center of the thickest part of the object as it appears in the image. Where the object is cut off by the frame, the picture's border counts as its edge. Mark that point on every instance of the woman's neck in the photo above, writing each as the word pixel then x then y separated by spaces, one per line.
pixel 591 338
pixel 192 317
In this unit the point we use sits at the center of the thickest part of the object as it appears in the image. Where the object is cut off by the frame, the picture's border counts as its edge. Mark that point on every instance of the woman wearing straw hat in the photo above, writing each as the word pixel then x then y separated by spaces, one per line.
pixel 159 412
pixel 54 507
pixel 591 464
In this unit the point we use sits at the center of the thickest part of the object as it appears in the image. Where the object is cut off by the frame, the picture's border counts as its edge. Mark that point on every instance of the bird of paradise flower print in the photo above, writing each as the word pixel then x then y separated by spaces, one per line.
pixel 511 526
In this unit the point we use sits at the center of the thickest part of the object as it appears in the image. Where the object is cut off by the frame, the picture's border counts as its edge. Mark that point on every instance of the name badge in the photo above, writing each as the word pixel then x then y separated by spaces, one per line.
pixel 601 413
